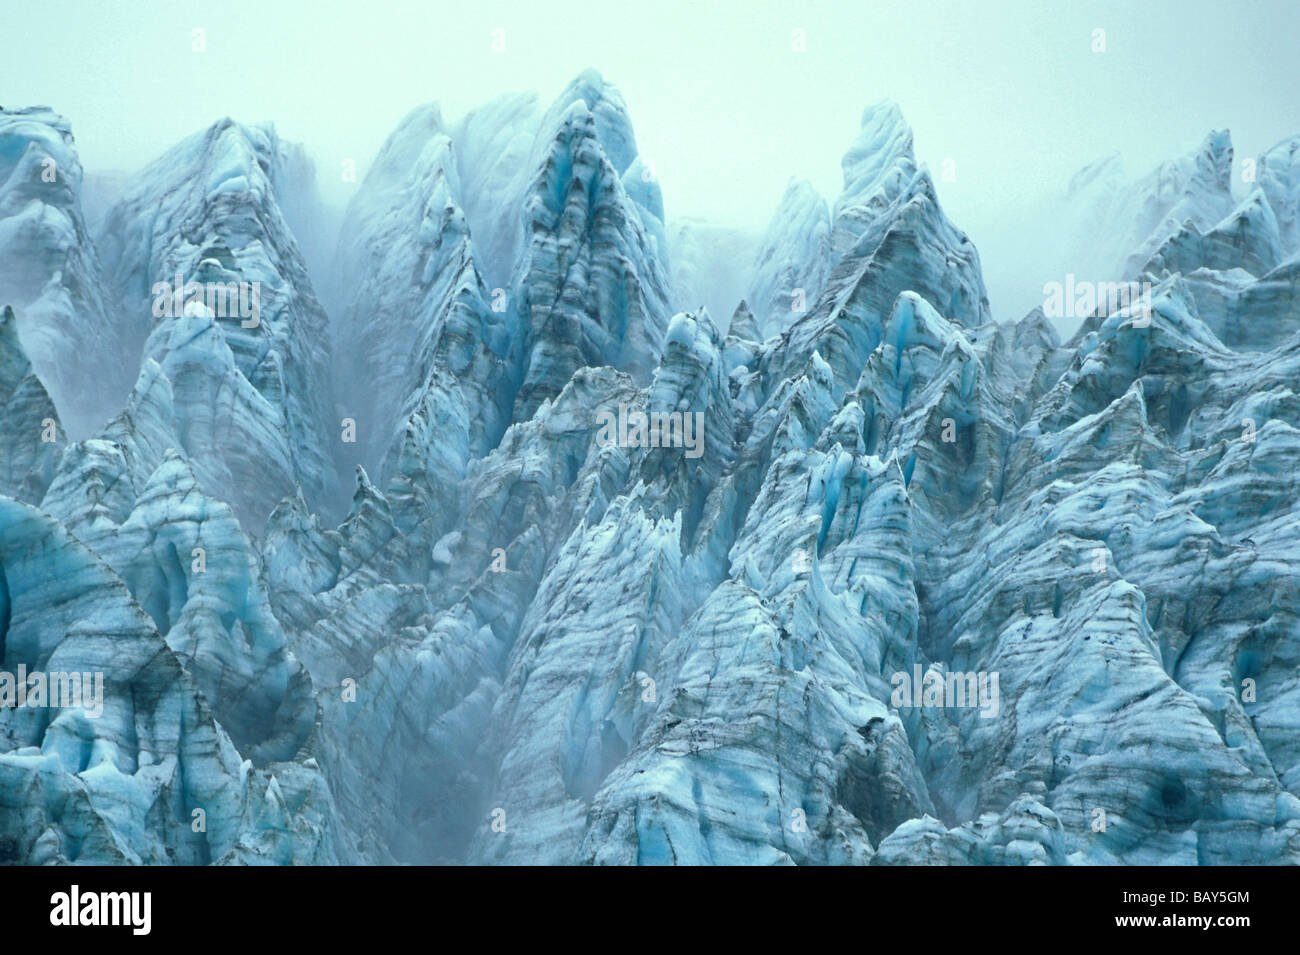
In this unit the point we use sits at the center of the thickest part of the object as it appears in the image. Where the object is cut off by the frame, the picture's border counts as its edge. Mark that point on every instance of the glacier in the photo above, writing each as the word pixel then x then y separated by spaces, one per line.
pixel 366 584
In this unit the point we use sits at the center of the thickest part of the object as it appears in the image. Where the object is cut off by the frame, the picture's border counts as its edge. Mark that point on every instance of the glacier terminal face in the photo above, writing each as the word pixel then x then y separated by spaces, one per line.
pixel 575 534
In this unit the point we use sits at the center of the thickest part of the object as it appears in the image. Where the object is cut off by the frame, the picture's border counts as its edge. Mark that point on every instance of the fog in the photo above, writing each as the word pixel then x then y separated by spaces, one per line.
pixel 729 97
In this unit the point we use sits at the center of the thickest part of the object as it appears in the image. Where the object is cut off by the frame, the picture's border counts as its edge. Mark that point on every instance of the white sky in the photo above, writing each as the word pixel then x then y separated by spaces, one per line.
pixel 721 103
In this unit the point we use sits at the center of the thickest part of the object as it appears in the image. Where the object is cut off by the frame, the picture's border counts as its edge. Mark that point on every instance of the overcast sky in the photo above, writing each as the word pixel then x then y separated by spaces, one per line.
pixel 721 101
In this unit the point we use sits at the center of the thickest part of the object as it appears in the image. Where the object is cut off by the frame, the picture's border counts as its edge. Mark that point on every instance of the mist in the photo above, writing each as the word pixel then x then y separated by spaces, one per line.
pixel 729 99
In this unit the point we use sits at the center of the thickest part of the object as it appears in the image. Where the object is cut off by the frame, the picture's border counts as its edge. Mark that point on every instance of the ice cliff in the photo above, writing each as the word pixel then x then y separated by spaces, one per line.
pixel 615 584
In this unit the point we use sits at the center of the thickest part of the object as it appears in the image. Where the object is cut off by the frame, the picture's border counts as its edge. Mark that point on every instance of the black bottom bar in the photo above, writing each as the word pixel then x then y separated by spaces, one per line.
pixel 334 905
